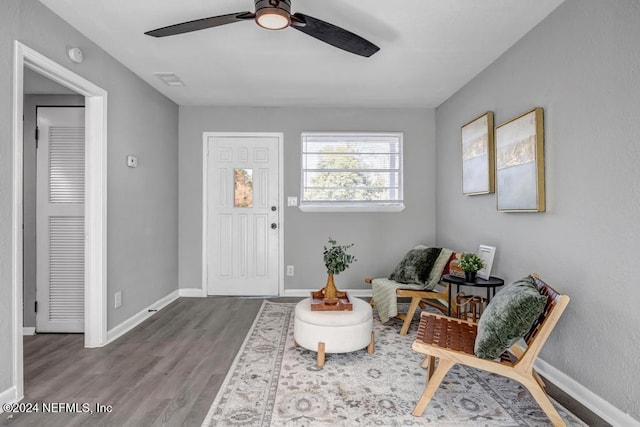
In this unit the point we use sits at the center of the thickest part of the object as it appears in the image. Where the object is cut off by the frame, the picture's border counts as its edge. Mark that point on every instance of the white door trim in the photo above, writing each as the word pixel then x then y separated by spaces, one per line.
pixel 95 200
pixel 205 197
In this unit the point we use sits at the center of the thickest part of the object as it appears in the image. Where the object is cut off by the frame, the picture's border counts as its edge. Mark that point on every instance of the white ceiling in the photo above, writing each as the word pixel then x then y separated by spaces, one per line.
pixel 429 49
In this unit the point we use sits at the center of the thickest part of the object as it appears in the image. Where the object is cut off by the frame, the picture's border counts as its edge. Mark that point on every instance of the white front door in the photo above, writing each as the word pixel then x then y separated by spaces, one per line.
pixel 243 212
pixel 60 219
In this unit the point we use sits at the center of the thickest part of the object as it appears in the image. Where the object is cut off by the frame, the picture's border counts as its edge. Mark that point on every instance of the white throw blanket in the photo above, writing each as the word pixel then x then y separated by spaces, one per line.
pixel 384 290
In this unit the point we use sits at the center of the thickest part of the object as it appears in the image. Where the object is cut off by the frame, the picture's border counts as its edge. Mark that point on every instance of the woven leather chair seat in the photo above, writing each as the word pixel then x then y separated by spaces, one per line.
pixel 447 332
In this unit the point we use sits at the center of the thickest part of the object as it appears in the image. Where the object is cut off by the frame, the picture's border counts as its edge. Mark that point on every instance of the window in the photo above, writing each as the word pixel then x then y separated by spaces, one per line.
pixel 351 172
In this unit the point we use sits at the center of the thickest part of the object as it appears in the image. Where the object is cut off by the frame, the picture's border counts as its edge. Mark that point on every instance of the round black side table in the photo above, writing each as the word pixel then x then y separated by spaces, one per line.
pixel 490 284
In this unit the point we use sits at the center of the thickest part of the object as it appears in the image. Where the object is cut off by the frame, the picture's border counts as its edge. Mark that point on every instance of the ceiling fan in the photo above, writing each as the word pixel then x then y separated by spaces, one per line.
pixel 276 15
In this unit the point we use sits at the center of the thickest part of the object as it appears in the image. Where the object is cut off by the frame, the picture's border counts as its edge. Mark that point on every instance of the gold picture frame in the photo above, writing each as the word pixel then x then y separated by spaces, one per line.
pixel 478 156
pixel 520 163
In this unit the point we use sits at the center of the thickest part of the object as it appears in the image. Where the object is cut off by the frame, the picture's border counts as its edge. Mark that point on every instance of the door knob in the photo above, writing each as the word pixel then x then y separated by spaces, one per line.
pixel 273 208
pixel 274 225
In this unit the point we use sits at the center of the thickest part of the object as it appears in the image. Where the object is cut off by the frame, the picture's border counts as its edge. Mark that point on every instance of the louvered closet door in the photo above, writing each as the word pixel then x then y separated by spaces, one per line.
pixel 60 219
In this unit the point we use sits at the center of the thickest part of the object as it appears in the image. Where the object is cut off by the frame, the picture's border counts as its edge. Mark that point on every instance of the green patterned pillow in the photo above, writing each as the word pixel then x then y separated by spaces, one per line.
pixel 508 317
pixel 415 266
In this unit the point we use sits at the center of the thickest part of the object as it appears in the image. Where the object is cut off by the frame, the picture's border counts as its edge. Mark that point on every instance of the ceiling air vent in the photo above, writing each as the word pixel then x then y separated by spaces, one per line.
pixel 170 79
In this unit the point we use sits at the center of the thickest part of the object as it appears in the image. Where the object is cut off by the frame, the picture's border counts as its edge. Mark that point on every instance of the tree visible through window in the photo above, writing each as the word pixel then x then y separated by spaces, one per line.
pixel 352 169
pixel 243 188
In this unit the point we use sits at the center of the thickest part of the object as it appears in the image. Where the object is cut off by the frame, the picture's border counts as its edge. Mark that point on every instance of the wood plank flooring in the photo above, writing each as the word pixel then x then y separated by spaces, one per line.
pixel 165 372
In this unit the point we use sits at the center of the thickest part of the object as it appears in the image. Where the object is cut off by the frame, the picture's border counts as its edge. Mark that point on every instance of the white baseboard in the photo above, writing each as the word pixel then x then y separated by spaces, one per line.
pixel 10 395
pixel 592 401
pixel 306 292
pixel 124 327
pixel 191 293
pixel 26 330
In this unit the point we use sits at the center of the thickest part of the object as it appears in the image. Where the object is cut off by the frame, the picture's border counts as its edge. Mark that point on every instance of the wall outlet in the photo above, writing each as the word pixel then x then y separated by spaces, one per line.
pixel 290 270
pixel 118 299
pixel 132 161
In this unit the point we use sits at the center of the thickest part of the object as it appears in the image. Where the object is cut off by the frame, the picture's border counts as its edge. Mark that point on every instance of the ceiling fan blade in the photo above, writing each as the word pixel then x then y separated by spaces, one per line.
pixel 200 24
pixel 335 36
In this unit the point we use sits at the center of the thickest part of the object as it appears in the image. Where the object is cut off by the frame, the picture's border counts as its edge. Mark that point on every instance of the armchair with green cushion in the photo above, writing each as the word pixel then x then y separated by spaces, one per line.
pixel 506 341
pixel 417 276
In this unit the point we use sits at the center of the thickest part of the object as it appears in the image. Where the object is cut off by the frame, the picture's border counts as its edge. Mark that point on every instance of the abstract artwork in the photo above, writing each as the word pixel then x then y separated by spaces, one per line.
pixel 520 163
pixel 477 156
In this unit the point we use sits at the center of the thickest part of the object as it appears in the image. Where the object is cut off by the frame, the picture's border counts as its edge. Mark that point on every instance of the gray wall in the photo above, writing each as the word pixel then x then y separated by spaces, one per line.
pixel 142 203
pixel 36 84
pixel 581 65
pixel 381 239
pixel 31 102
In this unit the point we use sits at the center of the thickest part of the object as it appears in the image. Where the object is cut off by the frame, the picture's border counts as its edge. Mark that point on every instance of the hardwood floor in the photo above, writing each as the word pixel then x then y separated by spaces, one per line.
pixel 166 371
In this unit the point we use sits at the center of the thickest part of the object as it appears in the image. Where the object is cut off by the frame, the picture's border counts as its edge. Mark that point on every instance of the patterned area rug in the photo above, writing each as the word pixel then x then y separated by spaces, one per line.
pixel 273 383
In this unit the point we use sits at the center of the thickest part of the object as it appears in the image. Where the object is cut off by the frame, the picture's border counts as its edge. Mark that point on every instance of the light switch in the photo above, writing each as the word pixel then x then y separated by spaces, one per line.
pixel 132 161
pixel 292 201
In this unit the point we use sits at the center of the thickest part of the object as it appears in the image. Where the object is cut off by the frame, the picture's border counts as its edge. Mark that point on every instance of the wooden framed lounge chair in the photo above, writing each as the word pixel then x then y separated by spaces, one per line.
pixel 417 279
pixel 452 341
pixel 419 298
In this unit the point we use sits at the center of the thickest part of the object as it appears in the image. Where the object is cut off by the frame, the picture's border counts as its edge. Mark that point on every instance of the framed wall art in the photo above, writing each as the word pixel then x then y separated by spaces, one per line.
pixel 486 253
pixel 520 163
pixel 478 156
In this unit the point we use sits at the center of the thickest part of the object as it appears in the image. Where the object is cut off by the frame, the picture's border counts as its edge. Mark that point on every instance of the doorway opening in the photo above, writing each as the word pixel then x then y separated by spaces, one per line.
pixel 95 322
pixel 59 202
pixel 53 213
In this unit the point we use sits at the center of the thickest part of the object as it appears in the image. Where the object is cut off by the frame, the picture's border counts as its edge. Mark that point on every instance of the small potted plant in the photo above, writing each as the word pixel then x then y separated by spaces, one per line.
pixel 337 260
pixel 470 263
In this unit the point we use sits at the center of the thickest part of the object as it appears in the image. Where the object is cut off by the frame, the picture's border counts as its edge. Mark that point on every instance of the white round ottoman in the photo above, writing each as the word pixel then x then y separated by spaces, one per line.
pixel 333 331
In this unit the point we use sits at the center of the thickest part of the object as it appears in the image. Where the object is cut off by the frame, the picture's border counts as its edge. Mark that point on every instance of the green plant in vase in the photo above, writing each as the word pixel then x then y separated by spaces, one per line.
pixel 470 263
pixel 336 260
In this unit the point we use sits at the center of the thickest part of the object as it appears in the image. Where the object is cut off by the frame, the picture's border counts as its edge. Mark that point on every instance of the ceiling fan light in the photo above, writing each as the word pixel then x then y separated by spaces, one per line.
pixel 272 18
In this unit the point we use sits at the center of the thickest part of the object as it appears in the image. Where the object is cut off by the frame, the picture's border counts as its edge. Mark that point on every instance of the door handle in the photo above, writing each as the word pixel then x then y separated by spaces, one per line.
pixel 274 225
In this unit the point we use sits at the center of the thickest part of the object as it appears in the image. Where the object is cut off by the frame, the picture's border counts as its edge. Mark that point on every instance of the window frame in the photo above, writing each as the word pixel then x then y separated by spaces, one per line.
pixel 353 206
